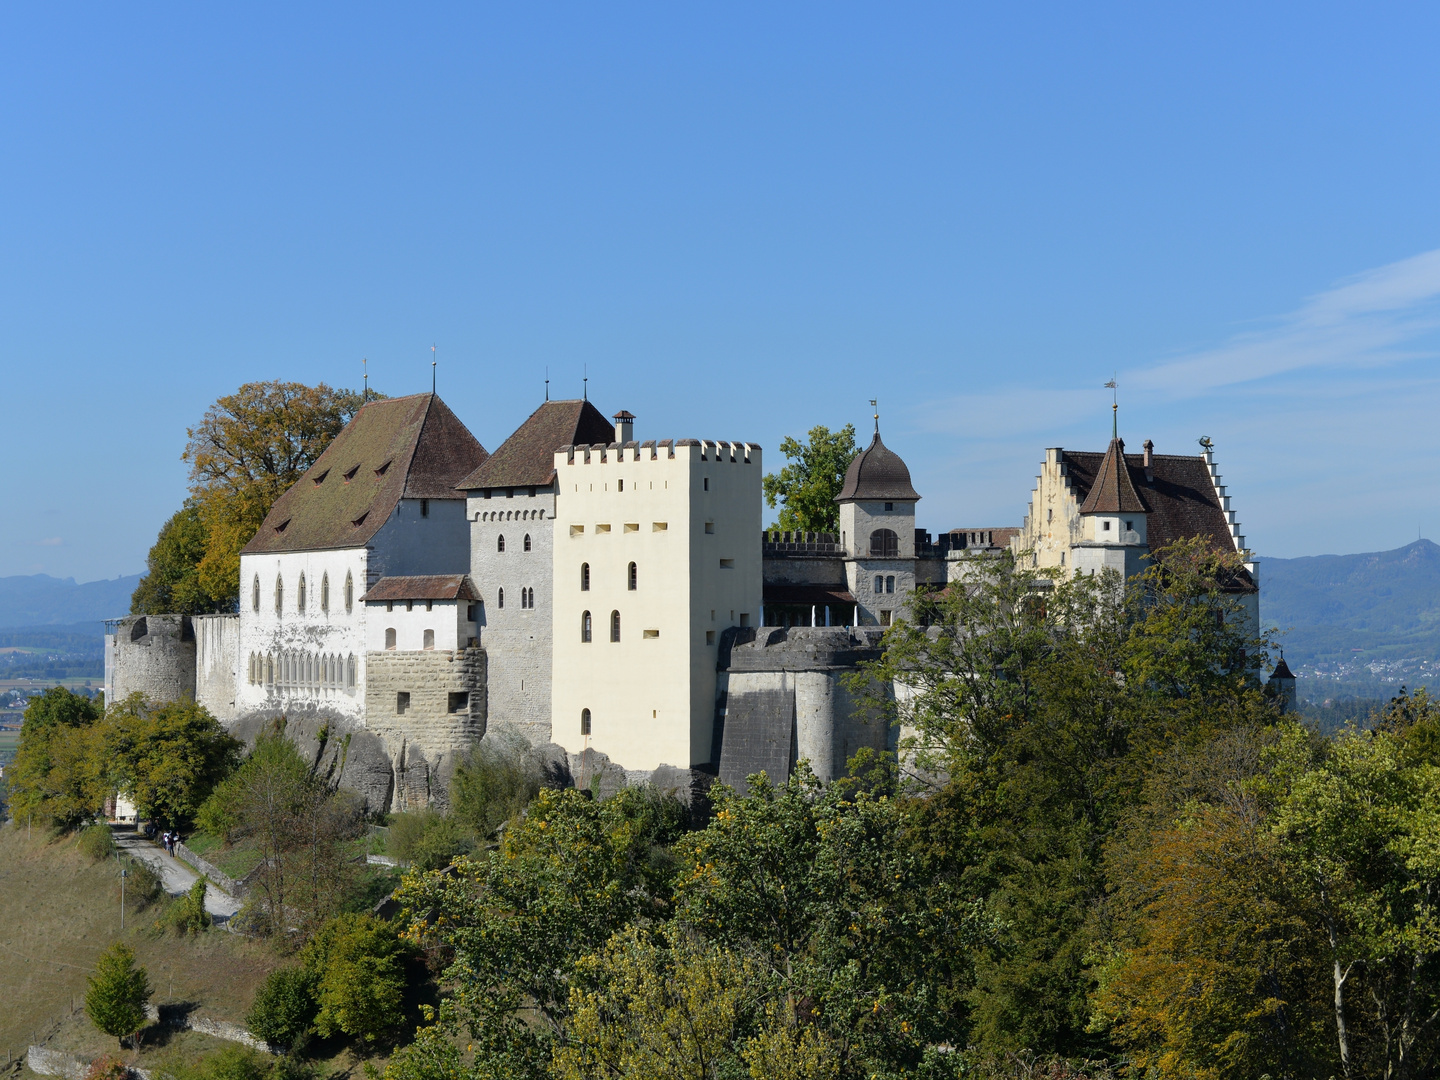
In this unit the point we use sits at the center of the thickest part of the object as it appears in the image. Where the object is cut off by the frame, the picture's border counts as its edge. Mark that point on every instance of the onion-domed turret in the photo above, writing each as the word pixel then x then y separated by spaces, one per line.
pixel 877 473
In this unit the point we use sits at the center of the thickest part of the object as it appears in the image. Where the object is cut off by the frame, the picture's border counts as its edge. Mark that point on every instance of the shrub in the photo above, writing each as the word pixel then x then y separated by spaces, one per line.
pixel 142 880
pixel 107 1067
pixel 406 831
pixel 358 963
pixel 117 994
pixel 97 842
pixel 284 1007
pixel 438 845
pixel 188 915
pixel 493 784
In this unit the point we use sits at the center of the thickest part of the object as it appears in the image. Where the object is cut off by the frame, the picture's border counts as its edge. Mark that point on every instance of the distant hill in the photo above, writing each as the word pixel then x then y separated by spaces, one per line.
pixel 1367 609
pixel 41 600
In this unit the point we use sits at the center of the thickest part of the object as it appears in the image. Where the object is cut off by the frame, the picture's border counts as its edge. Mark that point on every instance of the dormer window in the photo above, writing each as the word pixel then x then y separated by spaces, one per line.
pixel 381 470
pixel 281 527
pixel 351 474
pixel 321 478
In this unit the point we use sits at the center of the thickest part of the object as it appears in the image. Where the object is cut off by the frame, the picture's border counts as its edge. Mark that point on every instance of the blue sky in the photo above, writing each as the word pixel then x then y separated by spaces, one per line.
pixel 746 220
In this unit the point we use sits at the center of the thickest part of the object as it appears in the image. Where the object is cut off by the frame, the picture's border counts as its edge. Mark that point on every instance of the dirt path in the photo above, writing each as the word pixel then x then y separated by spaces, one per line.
pixel 174 874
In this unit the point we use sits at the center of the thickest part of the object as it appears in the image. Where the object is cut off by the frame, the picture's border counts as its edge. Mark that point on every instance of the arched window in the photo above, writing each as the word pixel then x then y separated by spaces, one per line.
pixel 500 598
pixel 585 577
pixel 584 722
pixel 890 583
pixel 632 578
pixel 527 541
pixel 585 627
pixel 325 592
pixel 300 596
pixel 879 584
pixel 614 626
pixel 269 671
pixel 884 544
pixel 500 543
pixel 429 639
pixel 349 592
pixel 390 637
pixel 350 672
pixel 532 598
pixel 279 594
pixel 255 594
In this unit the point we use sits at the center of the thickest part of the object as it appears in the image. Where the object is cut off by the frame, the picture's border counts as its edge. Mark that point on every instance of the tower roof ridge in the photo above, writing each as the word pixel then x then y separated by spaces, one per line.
pixel 1113 491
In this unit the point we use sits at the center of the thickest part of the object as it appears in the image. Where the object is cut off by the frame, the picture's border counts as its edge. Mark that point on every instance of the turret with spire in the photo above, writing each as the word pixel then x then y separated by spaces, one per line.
pixel 1114 515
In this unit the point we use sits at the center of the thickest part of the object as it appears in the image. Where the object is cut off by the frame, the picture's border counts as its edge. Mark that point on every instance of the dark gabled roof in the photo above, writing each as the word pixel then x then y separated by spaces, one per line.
pixel 1113 492
pixel 398 448
pixel 425 587
pixel 876 473
pixel 1179 497
pixel 528 457
pixel 1282 671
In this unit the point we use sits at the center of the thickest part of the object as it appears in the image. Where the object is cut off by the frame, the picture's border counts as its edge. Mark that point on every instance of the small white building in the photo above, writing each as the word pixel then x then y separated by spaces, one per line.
pixel 424 613
pixel 380 501
pixel 655 556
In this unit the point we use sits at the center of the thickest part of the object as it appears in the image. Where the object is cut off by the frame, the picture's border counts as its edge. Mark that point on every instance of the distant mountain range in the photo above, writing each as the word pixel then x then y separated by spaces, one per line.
pixel 41 600
pixel 1372 618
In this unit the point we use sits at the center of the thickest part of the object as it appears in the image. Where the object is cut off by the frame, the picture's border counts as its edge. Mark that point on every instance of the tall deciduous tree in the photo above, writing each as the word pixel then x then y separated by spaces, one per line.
pixel 168 758
pixel 809 485
pixel 117 994
pixel 56 774
pixel 172 575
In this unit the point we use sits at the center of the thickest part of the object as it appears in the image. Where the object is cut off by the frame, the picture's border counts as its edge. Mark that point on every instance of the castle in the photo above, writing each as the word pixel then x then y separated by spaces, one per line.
pixel 612 602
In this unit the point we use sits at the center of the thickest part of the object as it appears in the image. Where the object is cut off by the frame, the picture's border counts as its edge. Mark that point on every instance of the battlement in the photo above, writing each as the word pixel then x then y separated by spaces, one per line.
pixel 653 450
pixel 778 544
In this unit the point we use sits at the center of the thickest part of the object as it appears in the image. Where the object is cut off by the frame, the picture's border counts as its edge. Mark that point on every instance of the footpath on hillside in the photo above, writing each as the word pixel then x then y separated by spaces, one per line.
pixel 175 876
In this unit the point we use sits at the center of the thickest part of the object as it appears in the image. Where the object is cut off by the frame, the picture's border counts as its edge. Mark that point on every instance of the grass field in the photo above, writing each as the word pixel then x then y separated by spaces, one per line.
pixel 60 912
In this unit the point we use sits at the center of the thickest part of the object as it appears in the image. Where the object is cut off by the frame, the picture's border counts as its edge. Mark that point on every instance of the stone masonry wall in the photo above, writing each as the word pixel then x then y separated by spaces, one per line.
pixel 426 739
pixel 154 655
pixel 217 655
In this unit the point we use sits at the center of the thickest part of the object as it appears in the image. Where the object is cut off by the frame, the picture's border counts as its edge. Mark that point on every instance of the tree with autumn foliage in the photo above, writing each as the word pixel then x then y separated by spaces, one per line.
pixel 245 452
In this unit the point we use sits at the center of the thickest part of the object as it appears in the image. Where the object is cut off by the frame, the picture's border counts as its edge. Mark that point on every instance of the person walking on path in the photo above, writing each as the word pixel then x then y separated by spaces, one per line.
pixel 175 876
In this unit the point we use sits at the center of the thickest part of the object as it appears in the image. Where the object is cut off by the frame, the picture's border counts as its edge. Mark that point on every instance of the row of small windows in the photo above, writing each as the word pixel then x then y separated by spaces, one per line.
pixel 510 515
pixel 428 639
pixel 586 631
pixel 301 596
pixel 500 542
pixel 632 577
pixel 296 670
pixel 885 584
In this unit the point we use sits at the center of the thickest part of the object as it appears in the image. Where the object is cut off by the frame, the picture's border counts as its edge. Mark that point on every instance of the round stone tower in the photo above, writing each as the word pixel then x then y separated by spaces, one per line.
pixel 151 654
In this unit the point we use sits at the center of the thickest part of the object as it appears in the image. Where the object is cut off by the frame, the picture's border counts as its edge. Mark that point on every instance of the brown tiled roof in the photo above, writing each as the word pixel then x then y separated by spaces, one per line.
pixel 1180 497
pixel 410 447
pixel 1112 491
pixel 425 587
pixel 806 594
pixel 877 473
pixel 528 457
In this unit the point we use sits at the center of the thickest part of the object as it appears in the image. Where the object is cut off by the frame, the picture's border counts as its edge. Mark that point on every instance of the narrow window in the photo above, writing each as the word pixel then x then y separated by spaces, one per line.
pixel 585 722
pixel 255 594
pixel 424 507
pixel 1107 526
pixel 500 543
pixel 585 627
pixel 620 485
pixel 884 618
pixel 614 626
pixel 585 577
pixel 269 671
pixel 390 637
pixel 349 592
pixel 402 702
pixel 879 583
pixel 430 641
pixel 890 584
pixel 279 594
pixel 532 598
pixel 469 612
pixel 500 598
pixel 709 637
pixel 632 577
pixel 1049 516
pixel 389 605
pixel 707 483
pixel 1129 526
pixel 429 605
pixel 325 592
pixel 527 541
pixel 350 672
pixel 409 605
pixel 300 596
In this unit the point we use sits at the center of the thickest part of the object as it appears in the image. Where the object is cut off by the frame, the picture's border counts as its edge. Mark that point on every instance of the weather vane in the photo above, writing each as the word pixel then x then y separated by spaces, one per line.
pixel 874 404
pixel 1114 387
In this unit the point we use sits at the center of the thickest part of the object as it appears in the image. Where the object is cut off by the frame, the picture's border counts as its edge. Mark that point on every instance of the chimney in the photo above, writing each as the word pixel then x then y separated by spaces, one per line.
pixel 624 427
pixel 1149 461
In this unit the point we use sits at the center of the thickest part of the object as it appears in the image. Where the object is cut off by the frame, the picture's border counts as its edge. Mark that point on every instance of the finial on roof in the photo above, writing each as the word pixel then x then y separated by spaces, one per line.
pixel 876 407
pixel 432 369
pixel 365 378
pixel 585 392
pixel 547 382
pixel 1114 387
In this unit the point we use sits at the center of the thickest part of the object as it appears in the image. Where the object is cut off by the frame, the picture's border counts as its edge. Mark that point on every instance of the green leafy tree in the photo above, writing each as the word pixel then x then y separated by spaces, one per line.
pixel 169 758
pixel 490 786
pixel 516 921
pixel 357 965
pixel 809 485
pixel 118 993
pixel 56 773
pixel 284 1007
pixel 172 575
pixel 187 916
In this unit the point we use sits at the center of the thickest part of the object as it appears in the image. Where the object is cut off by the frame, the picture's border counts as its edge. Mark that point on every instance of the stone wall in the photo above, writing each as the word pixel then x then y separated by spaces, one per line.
pixel 782 698
pixel 414 703
pixel 217 656
pixel 150 654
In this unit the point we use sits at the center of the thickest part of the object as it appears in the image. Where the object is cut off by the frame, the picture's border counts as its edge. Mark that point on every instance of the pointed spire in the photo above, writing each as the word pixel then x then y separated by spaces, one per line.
pixel 1113 491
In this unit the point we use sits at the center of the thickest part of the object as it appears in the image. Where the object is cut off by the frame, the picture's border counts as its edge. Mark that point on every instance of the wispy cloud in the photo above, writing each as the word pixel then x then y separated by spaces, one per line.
pixel 53 541
pixel 1377 317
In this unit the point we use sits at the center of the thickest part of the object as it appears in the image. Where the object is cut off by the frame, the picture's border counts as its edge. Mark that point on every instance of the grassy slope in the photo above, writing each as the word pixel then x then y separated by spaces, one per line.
pixel 59 911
